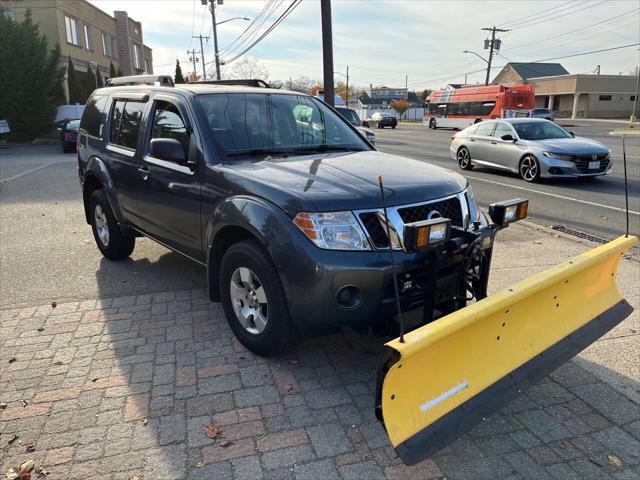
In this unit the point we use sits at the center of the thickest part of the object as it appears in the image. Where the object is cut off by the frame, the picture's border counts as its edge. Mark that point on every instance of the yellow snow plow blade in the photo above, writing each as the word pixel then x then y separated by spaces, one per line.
pixel 451 373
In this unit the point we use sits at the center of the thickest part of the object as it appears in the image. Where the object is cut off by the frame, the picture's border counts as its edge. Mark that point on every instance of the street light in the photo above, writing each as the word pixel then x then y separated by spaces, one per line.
pixel 232 18
pixel 347 77
pixel 480 57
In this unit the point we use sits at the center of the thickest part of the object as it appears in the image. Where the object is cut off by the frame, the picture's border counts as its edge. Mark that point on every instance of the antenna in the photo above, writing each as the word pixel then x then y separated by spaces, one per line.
pixel 626 186
pixel 393 263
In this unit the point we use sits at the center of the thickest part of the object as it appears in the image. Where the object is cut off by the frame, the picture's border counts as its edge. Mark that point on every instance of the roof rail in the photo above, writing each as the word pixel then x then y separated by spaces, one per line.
pixel 158 80
pixel 248 82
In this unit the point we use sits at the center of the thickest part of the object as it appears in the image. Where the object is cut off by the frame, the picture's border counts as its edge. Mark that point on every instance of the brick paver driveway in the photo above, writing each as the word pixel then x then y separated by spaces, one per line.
pixel 123 388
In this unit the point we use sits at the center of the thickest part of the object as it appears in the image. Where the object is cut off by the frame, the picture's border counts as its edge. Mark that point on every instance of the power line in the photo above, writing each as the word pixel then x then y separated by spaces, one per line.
pixel 573 31
pixel 589 53
pixel 284 15
pixel 254 27
pixel 518 20
pixel 527 25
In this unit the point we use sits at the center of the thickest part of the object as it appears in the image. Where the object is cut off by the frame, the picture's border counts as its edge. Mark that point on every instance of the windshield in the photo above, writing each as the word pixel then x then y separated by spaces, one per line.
pixel 258 123
pixel 350 115
pixel 73 124
pixel 540 130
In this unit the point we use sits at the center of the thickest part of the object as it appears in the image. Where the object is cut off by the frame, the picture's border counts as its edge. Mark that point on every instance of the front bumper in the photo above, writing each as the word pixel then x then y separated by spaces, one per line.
pixel 554 168
pixel 313 278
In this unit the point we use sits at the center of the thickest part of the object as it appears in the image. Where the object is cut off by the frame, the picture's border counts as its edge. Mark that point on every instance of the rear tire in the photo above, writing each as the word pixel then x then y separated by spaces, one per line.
pixel 109 238
pixel 464 158
pixel 530 169
pixel 254 300
pixel 394 127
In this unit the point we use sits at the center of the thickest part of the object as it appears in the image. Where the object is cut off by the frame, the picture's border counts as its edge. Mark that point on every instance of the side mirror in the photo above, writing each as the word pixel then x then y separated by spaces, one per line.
pixel 572 133
pixel 169 149
pixel 508 138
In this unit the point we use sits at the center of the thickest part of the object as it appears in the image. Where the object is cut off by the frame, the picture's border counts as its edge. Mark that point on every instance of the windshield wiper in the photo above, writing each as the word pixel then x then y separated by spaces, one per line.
pixel 328 148
pixel 254 152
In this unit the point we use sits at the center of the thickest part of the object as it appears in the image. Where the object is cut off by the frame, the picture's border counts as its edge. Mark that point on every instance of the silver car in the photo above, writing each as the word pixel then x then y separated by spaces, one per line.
pixel 543 113
pixel 531 147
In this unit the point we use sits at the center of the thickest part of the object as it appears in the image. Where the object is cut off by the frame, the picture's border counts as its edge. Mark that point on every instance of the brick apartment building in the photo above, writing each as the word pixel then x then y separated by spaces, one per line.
pixel 87 34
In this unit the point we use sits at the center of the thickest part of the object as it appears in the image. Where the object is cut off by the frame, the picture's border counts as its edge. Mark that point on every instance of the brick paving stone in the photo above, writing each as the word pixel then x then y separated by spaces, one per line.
pixel 621 443
pixel 256 396
pixel 274 441
pixel 136 407
pixel 321 469
pixel 543 425
pixel 425 470
pixel 219 384
pixel 329 440
pixel 218 453
pixel 285 457
pixel 247 468
pixel 613 405
pixel 59 455
pixel 358 471
pixel 213 471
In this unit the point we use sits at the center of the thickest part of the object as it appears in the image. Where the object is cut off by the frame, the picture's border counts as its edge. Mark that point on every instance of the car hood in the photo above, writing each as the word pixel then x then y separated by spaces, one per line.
pixel 577 145
pixel 345 180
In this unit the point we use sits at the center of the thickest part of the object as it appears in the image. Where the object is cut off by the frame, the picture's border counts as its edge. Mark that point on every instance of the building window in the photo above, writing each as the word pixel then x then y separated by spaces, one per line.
pixel 604 98
pixel 88 41
pixel 632 98
pixel 146 66
pixel 106 46
pixel 71 26
pixel 136 57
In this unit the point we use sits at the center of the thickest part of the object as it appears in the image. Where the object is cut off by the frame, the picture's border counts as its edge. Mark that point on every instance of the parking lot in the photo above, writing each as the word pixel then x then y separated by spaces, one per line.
pixel 113 369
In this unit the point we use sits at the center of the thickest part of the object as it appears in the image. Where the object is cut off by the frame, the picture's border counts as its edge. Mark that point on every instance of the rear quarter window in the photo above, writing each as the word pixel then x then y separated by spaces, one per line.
pixel 125 123
pixel 94 115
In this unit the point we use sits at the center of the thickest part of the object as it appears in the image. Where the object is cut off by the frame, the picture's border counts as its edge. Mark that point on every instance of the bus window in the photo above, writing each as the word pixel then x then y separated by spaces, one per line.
pixel 442 111
pixel 487 108
pixel 430 108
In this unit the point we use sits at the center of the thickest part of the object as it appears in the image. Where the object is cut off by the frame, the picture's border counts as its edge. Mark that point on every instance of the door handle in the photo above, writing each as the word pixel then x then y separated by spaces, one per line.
pixel 144 171
pixel 472 139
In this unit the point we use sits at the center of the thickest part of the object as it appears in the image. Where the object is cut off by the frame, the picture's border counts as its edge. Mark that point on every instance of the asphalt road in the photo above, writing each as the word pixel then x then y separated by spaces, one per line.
pixel 47 251
pixel 593 206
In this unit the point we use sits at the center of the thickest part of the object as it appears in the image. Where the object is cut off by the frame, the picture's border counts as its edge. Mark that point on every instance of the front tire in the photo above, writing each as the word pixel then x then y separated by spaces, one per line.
pixel 464 159
pixel 530 169
pixel 254 300
pixel 432 124
pixel 110 240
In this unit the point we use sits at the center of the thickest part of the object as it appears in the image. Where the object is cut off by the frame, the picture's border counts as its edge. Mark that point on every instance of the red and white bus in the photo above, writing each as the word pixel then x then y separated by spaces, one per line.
pixel 461 107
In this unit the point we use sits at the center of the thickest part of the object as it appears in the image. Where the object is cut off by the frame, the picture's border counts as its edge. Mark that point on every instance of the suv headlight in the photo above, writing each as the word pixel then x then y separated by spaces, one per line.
pixel 559 156
pixel 474 208
pixel 332 230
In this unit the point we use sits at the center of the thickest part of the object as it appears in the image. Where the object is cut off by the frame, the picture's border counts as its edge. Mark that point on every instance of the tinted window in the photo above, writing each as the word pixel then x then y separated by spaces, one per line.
pixel 502 129
pixel 168 123
pixel 485 128
pixel 350 115
pixel 72 124
pixel 116 118
pixel 460 108
pixel 240 123
pixel 94 115
pixel 540 130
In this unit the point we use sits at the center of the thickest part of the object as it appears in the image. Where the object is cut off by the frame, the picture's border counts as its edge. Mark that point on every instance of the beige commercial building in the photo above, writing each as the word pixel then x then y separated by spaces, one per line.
pixel 87 35
pixel 575 96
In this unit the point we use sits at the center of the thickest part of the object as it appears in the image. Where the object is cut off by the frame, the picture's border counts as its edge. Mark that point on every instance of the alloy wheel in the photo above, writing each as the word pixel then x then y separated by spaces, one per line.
pixel 249 300
pixel 529 169
pixel 464 159
pixel 102 227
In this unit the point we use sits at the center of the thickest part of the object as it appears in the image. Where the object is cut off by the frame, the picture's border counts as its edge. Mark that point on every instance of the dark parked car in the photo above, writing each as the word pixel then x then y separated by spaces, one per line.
pixel 388 121
pixel 352 117
pixel 69 135
pixel 276 196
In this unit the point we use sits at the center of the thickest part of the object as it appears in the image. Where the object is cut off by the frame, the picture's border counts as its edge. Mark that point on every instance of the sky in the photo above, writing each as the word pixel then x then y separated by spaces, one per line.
pixel 382 42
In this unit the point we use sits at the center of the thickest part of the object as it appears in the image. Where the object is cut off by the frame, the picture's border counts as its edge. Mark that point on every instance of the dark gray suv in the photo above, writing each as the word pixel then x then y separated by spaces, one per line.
pixel 277 196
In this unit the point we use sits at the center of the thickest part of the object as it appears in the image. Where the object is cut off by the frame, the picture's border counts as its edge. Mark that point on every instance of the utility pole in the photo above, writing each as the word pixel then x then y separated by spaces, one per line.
pixel 193 59
pixel 327 52
pixel 635 100
pixel 347 86
pixel 204 72
pixel 212 7
pixel 492 45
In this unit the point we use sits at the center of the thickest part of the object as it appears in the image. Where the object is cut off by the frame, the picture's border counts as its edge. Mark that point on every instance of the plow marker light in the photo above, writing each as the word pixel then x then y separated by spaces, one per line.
pixel 451 373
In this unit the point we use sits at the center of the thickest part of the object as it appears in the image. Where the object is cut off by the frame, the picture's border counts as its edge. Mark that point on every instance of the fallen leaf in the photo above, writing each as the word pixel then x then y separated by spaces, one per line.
pixel 226 443
pixel 288 387
pixel 12 439
pixel 40 329
pixel 3 406
pixel 24 403
pixel 614 460
pixel 12 360
pixel 200 464
pixel 58 363
pixel 30 447
pixel 211 431
pixel 54 304
pixel 145 421
pixel 94 379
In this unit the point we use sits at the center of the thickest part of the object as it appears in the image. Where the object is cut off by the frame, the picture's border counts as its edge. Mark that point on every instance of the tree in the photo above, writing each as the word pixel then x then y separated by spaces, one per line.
pixel 178 78
pixel 99 78
pixel 76 94
pixel 249 68
pixel 119 72
pixel 341 89
pixel 30 77
pixel 400 106
pixel 112 71
pixel 300 84
pixel 90 84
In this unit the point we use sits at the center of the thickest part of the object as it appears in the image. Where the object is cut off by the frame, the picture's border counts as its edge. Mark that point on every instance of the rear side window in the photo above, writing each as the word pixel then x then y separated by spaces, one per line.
pixel 502 129
pixel 125 123
pixel 485 128
pixel 94 115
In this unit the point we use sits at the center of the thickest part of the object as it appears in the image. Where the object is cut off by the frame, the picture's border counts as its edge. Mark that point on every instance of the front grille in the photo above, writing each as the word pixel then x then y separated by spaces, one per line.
pixel 449 208
pixel 582 163
pixel 375 229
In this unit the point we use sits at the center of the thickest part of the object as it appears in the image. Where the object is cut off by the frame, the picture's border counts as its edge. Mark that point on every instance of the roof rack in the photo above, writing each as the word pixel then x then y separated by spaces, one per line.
pixel 158 80
pixel 248 82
